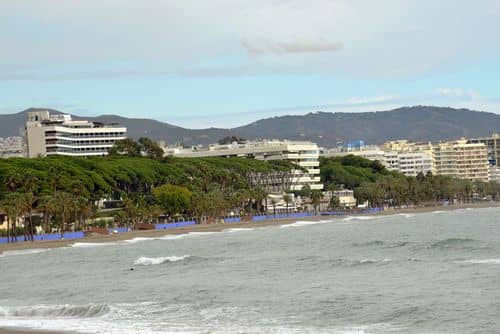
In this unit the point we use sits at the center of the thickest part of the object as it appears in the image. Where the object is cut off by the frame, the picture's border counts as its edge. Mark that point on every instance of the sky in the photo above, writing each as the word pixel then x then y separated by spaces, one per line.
pixel 224 63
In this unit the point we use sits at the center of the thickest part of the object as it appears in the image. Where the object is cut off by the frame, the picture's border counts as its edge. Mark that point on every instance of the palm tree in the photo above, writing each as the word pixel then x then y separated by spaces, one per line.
pixel 316 197
pixel 13 182
pixel 13 207
pixel 273 203
pixel 334 202
pixel 55 179
pixel 259 195
pixel 130 211
pixel 65 203
pixel 287 198
pixel 27 202
pixel 46 206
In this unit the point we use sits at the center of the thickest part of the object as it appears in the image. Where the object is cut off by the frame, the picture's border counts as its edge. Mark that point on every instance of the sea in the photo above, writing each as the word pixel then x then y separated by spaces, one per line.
pixel 434 272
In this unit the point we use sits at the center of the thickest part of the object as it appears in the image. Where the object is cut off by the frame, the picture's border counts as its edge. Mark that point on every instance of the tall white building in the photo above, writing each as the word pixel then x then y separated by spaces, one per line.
pixel 462 160
pixel 47 134
pixel 408 162
pixel 304 154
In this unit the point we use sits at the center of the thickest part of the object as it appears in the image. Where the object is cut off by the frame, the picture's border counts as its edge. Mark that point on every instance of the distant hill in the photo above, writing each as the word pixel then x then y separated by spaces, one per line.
pixel 420 123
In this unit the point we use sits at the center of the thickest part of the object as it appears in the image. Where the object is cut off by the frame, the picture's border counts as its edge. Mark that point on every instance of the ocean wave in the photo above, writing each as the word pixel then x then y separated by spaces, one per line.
pixel 369 243
pixel 139 239
pixel 93 244
pixel 172 237
pixel 453 243
pixel 406 215
pixel 355 263
pixel 231 230
pixel 201 233
pixel 57 311
pixel 151 261
pixel 371 261
pixel 482 261
pixel 305 223
pixel 360 218
pixel 24 252
pixel 398 244
pixel 438 211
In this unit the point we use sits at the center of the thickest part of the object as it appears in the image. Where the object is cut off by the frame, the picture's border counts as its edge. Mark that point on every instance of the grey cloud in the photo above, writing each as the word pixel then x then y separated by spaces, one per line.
pixel 297 46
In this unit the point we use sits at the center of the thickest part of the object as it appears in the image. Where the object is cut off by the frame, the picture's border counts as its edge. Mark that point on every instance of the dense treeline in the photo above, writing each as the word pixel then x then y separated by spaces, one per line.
pixel 63 191
pixel 372 182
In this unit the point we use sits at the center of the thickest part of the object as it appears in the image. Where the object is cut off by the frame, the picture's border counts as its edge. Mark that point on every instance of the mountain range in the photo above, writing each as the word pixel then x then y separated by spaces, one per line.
pixel 418 123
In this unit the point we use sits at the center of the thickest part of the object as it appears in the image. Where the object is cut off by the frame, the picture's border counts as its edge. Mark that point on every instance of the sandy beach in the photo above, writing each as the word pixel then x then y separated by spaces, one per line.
pixel 219 227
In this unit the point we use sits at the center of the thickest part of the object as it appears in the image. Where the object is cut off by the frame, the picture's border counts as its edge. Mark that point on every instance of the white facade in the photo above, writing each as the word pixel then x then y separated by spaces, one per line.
pixel 304 154
pixel 406 162
pixel 12 147
pixel 413 163
pixel 494 173
pixel 461 160
pixel 58 134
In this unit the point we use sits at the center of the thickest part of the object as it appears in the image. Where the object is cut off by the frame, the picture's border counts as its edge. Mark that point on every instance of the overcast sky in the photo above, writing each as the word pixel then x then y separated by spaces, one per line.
pixel 229 62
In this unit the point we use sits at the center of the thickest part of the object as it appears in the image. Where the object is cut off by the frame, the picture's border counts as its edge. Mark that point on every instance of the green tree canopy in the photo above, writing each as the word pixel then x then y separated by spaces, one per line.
pixel 173 199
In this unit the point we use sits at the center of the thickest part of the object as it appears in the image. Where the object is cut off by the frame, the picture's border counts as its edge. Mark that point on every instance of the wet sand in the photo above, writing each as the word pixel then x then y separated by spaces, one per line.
pixel 219 227
pixel 27 331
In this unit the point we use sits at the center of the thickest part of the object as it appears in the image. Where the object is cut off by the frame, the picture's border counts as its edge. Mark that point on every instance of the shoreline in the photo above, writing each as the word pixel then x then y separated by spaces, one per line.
pixel 220 227
pixel 9 330
pixel 206 228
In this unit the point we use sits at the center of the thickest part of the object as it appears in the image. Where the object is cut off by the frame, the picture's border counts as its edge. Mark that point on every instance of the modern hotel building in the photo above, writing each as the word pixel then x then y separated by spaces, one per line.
pixel 304 154
pixel 47 134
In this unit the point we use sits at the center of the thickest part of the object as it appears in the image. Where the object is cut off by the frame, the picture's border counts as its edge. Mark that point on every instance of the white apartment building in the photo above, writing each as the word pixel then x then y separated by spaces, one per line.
pixel 47 134
pixel 304 154
pixel 462 160
pixel 11 147
pixel 413 163
pixel 493 147
pixel 494 173
pixel 410 163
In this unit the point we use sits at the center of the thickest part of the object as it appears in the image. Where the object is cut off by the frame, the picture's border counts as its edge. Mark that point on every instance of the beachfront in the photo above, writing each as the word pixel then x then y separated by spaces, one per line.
pixel 216 228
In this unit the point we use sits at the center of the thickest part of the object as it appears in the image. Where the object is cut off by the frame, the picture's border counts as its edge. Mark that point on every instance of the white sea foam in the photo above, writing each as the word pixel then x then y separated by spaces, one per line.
pixel 305 223
pixel 56 311
pixel 93 244
pixel 360 218
pixel 24 252
pixel 151 261
pixel 173 237
pixel 231 230
pixel 482 261
pixel 406 215
pixel 438 211
pixel 201 233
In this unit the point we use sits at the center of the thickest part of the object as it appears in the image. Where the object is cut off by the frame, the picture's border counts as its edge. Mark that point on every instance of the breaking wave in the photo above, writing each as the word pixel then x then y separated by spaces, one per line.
pixel 151 261
pixel 93 244
pixel 231 230
pixel 305 223
pixel 483 261
pixel 360 218
pixel 56 311
pixel 453 243
pixel 24 252
pixel 354 263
